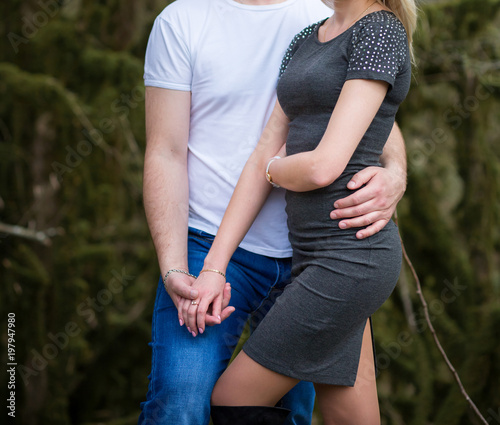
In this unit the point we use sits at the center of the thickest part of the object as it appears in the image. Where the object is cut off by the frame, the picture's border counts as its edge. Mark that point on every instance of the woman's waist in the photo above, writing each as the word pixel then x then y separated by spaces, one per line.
pixel 322 240
pixel 315 206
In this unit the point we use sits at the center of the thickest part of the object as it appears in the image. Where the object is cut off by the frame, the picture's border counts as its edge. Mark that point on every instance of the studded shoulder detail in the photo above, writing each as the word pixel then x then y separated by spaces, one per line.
pixel 296 43
pixel 379 44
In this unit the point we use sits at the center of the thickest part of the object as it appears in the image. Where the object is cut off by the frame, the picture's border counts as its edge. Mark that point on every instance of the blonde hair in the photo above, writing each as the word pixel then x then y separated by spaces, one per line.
pixel 406 11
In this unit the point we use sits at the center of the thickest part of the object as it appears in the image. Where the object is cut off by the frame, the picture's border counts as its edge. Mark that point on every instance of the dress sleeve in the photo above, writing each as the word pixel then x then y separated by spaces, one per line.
pixel 295 44
pixel 167 63
pixel 379 51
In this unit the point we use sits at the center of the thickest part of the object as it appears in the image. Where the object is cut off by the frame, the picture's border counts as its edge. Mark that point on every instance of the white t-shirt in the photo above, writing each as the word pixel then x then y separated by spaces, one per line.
pixel 228 55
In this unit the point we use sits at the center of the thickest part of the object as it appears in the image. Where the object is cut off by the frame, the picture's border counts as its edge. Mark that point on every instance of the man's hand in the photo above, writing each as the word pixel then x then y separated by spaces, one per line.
pixel 211 319
pixel 179 286
pixel 372 205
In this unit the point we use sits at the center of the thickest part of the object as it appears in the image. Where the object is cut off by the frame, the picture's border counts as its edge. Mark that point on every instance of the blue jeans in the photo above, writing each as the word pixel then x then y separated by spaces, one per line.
pixel 185 369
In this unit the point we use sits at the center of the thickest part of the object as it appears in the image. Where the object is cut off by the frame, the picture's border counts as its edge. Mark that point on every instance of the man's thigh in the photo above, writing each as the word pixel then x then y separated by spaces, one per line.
pixel 185 369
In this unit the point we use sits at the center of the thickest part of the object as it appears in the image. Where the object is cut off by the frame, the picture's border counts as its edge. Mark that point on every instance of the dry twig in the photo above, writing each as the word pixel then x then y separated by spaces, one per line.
pixel 434 334
pixel 23 232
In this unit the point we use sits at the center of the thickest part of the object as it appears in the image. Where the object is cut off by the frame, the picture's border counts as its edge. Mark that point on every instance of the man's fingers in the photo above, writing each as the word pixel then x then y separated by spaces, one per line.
pixel 361 196
pixel 372 205
pixel 364 220
pixel 211 320
pixel 184 290
pixel 371 230
pixel 356 210
pixel 362 177
pixel 226 295
pixel 220 309
pixel 226 313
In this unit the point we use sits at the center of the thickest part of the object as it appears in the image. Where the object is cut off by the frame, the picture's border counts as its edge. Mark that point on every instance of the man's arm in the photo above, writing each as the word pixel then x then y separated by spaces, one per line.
pixel 166 190
pixel 374 204
pixel 393 157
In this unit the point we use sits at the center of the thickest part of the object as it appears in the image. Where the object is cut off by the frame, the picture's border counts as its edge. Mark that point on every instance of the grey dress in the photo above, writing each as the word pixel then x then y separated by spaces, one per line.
pixel 315 329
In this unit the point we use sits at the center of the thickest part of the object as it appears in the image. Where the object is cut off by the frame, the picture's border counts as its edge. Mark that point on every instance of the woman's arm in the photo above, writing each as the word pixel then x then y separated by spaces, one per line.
pixel 358 104
pixel 246 202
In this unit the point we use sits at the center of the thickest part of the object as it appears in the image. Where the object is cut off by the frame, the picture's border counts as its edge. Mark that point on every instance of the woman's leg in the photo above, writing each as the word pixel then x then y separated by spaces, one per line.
pixel 341 405
pixel 246 383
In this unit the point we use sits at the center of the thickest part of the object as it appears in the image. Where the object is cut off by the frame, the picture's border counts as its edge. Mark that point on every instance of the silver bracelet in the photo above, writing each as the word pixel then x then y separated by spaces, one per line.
pixel 176 271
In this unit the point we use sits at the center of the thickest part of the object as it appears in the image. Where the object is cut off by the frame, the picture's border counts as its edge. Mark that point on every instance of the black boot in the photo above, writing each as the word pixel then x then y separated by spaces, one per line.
pixel 248 415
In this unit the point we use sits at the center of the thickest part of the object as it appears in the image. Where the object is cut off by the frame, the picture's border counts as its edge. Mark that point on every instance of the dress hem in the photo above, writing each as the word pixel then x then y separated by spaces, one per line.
pixel 318 379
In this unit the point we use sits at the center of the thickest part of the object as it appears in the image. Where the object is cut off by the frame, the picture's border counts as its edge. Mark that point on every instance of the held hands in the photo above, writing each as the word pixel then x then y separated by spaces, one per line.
pixel 179 287
pixel 210 306
pixel 372 205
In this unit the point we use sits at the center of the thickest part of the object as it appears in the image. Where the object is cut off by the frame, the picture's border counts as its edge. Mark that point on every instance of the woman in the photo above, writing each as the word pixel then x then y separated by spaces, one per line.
pixel 337 99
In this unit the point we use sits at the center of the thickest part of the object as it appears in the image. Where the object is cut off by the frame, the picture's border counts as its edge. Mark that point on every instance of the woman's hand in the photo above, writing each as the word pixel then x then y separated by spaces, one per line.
pixel 211 306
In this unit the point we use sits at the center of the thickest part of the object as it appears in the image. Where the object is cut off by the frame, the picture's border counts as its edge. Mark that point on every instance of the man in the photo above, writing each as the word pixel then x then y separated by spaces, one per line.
pixel 211 70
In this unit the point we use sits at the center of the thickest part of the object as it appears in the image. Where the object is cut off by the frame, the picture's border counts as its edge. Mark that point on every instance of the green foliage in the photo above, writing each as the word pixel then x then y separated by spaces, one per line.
pixel 449 218
pixel 71 147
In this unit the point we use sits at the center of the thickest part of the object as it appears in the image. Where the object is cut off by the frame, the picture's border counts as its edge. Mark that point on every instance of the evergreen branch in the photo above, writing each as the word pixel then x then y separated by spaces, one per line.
pixel 75 106
pixel 129 137
pixel 433 331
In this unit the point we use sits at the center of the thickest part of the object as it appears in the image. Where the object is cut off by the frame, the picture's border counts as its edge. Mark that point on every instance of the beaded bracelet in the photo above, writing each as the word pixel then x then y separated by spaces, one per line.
pixel 176 271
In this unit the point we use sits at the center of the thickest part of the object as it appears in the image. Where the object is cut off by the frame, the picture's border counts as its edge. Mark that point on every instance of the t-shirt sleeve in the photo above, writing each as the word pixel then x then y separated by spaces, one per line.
pixel 379 51
pixel 167 63
pixel 295 44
